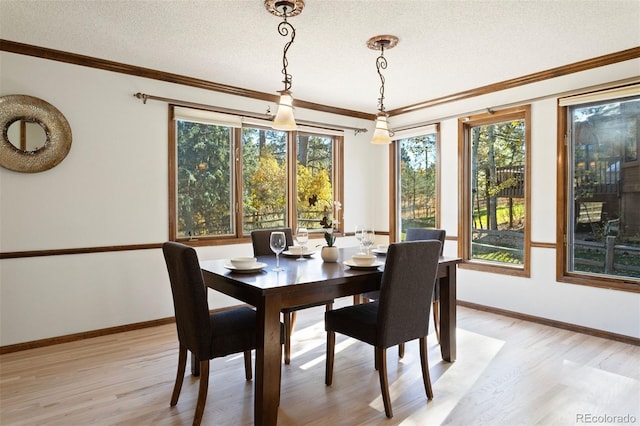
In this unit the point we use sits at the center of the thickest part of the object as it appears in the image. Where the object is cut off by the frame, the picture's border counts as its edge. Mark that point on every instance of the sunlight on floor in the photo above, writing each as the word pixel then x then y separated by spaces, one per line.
pixel 475 353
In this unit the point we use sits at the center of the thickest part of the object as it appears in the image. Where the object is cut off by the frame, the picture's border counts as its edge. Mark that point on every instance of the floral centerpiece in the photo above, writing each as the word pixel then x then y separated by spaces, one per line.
pixel 329 223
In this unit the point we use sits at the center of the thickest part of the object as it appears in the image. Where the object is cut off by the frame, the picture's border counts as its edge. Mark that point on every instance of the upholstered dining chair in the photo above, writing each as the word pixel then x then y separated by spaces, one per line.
pixel 205 335
pixel 399 315
pixel 421 234
pixel 260 241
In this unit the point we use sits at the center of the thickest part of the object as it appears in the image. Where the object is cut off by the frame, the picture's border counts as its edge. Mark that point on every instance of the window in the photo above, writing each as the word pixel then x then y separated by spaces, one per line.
pixel 417 180
pixel 228 178
pixel 204 176
pixel 264 179
pixel 494 204
pixel 599 186
pixel 315 180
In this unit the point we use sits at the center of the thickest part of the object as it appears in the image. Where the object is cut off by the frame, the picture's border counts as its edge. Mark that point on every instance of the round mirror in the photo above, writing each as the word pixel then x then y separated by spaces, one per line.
pixel 35 134
pixel 27 135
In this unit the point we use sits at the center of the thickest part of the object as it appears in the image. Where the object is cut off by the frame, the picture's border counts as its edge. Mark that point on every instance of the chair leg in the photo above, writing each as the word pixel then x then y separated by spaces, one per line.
pixel 331 345
pixel 202 392
pixel 289 319
pixel 424 361
pixel 248 374
pixel 182 365
pixel 436 318
pixel 401 350
pixel 376 359
pixel 384 383
pixel 195 365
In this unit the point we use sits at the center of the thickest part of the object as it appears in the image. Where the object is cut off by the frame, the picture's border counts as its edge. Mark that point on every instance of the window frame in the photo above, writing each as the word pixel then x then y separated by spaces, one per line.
pixel 395 182
pixel 291 166
pixel 564 209
pixel 522 112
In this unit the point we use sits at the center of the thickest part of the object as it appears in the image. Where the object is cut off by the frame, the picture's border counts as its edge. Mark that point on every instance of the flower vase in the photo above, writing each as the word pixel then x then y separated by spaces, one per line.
pixel 329 254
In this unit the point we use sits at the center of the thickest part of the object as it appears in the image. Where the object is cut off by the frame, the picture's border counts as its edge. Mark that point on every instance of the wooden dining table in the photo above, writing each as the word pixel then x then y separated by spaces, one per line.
pixel 306 282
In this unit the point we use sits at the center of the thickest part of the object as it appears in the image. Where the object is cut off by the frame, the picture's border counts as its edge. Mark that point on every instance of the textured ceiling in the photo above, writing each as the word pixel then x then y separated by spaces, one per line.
pixel 445 47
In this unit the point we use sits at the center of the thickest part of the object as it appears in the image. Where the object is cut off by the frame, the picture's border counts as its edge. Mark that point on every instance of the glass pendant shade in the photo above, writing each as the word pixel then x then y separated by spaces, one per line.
pixel 284 117
pixel 381 132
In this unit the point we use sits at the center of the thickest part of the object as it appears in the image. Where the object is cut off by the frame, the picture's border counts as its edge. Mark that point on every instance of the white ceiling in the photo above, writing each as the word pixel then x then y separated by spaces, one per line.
pixel 446 46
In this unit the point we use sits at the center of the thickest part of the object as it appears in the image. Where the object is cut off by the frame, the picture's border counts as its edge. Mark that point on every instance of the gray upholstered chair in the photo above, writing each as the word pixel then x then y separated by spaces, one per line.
pixel 400 314
pixel 260 241
pixel 205 335
pixel 421 234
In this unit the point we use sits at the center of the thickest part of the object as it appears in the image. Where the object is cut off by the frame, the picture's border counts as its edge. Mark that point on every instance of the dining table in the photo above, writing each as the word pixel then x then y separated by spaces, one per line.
pixel 305 282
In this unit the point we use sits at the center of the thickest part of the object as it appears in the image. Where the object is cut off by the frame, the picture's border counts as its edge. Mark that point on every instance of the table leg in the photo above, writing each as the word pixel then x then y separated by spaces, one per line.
pixel 268 363
pixel 448 314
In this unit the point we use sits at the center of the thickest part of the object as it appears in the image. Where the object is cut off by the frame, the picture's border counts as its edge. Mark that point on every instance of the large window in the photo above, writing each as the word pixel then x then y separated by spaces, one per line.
pixel 599 229
pixel 264 179
pixel 494 213
pixel 315 180
pixel 227 179
pixel 417 181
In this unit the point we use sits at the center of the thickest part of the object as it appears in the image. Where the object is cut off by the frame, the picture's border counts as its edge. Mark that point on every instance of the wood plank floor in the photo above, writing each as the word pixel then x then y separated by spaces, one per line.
pixel 509 372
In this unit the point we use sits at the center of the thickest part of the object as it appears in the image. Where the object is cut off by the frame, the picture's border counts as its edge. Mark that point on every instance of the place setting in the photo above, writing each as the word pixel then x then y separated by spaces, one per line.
pixel 245 265
pixel 297 251
pixel 364 259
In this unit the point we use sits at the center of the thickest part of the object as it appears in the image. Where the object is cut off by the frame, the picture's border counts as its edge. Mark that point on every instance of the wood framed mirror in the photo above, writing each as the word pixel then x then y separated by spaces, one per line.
pixel 35 135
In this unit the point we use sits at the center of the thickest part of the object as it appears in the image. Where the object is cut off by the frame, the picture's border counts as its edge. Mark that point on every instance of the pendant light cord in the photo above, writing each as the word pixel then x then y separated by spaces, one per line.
pixel 284 28
pixel 381 63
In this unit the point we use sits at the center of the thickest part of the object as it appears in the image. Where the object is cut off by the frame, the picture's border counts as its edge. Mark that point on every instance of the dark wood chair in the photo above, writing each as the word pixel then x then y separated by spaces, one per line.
pixel 205 335
pixel 399 315
pixel 260 241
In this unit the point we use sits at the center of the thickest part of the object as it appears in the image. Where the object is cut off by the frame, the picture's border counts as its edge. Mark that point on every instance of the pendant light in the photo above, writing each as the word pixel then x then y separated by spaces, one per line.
pixel 381 134
pixel 284 119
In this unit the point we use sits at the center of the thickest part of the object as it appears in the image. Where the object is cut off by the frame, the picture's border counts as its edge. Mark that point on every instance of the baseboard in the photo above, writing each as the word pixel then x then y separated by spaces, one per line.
pixel 552 323
pixel 93 333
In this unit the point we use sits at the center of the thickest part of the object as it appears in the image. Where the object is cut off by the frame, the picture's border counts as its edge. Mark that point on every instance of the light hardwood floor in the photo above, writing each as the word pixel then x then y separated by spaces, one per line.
pixel 508 372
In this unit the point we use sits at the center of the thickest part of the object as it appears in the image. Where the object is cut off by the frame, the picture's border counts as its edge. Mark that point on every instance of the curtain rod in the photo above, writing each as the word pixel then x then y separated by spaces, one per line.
pixel 144 97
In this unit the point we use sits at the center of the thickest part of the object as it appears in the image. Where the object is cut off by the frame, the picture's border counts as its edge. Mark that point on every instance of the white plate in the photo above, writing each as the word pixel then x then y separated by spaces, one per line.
pixel 255 268
pixel 306 253
pixel 378 251
pixel 352 264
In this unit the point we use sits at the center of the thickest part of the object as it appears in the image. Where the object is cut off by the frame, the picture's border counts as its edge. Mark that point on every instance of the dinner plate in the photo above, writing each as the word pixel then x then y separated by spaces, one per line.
pixel 352 264
pixel 255 268
pixel 378 251
pixel 306 253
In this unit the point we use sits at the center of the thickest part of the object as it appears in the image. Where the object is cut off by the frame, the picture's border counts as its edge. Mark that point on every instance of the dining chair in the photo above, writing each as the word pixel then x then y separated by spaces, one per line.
pixel 421 234
pixel 399 315
pixel 204 334
pixel 260 241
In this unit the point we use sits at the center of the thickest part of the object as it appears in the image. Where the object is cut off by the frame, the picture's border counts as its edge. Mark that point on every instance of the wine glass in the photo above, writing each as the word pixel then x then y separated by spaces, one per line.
pixel 302 237
pixel 277 242
pixel 359 229
pixel 368 238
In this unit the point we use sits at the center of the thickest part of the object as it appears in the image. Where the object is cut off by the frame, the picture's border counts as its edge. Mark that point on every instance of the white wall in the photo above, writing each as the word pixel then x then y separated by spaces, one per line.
pixel 111 190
